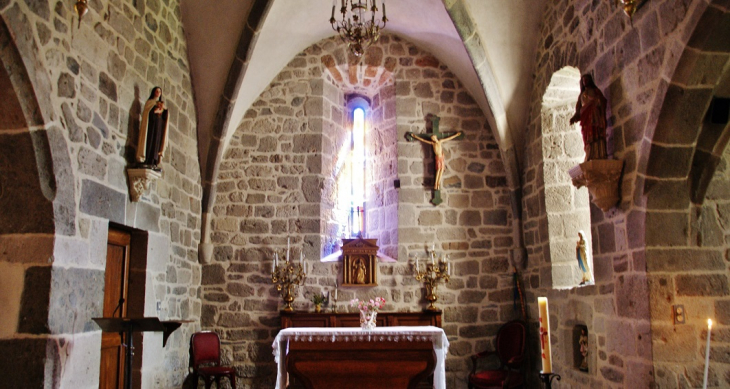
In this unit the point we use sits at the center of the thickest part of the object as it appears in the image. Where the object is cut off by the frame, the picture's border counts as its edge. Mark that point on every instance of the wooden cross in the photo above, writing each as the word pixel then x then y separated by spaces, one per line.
pixel 436 139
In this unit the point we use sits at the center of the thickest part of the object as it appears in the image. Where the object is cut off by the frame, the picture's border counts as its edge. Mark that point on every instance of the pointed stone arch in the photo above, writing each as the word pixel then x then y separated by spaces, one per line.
pixel 38 203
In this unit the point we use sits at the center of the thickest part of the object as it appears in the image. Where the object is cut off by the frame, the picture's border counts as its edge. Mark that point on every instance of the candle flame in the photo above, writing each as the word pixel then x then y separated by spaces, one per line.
pixel 709 323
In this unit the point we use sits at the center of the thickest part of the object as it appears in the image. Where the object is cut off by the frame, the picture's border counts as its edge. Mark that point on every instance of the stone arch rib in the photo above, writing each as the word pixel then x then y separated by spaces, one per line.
pixel 214 154
pixel 685 145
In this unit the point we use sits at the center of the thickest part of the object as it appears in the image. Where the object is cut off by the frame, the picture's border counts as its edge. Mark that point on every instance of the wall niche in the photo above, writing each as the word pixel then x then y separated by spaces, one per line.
pixel 580 347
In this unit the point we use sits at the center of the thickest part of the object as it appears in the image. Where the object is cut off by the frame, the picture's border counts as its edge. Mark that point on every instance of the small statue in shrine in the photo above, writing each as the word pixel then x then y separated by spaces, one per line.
pixel 153 131
pixel 581 255
pixel 583 349
pixel 590 111
pixel 438 152
pixel 359 272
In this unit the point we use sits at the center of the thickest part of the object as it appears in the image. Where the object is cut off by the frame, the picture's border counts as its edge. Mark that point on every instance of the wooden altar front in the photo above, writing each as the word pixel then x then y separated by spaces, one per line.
pixel 387 357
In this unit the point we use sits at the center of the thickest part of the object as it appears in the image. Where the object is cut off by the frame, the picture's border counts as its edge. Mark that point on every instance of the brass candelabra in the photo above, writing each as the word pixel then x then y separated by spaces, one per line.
pixel 433 273
pixel 287 276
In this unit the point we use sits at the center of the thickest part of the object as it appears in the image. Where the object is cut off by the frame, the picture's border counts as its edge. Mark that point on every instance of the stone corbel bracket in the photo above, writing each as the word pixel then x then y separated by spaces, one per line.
pixel 139 182
pixel 602 178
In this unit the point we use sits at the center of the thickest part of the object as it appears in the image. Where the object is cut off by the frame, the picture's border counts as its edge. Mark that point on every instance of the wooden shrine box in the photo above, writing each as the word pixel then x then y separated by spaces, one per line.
pixel 360 262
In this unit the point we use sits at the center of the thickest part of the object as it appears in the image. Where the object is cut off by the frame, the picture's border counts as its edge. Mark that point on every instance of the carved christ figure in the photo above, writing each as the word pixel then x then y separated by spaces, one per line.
pixel 438 152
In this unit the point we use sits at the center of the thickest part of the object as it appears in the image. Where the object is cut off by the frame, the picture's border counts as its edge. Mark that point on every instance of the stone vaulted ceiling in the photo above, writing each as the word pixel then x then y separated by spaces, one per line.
pixel 488 44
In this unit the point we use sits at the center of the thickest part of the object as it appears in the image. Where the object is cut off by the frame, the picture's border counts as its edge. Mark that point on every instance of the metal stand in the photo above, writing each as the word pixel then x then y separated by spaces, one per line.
pixel 547 379
pixel 128 326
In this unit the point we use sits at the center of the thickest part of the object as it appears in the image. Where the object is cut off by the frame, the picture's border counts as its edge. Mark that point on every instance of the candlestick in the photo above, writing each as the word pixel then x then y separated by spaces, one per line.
pixel 431 275
pixel 544 318
pixel 707 353
pixel 287 278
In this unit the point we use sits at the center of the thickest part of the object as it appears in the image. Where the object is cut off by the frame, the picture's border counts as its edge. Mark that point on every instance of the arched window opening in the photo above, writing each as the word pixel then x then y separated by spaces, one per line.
pixel 568 208
pixel 357 174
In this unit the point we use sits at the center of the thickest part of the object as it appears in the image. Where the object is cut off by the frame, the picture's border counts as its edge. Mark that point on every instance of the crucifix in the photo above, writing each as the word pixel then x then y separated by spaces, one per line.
pixel 436 140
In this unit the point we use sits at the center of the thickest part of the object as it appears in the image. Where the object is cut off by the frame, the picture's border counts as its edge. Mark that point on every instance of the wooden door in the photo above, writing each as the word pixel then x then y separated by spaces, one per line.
pixel 116 281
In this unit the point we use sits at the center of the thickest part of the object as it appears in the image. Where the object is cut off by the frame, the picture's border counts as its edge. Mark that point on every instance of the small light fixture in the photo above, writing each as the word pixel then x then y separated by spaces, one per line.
pixel 359 27
pixel 81 7
pixel 631 6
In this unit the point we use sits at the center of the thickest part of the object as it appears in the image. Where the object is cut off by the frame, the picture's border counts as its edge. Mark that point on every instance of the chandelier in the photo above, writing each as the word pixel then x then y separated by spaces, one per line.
pixel 358 28
pixel 630 6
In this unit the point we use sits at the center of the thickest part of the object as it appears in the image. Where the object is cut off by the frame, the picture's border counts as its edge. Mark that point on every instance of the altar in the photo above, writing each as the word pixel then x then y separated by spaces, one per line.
pixel 386 357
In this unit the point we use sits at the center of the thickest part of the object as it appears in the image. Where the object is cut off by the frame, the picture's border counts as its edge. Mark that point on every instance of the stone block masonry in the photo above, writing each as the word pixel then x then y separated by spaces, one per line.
pixel 279 179
pixel 638 276
pixel 81 90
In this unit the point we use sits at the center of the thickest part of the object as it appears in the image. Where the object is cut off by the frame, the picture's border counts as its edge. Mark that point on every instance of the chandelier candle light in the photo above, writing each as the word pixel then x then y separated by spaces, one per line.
pixel 287 276
pixel 432 274
pixel 358 29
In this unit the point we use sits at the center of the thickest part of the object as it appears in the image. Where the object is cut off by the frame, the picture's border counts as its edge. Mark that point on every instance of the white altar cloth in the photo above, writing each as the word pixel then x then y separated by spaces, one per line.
pixel 380 334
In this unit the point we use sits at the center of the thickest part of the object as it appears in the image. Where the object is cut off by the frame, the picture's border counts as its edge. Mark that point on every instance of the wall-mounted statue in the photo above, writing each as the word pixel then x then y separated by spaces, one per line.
pixel 590 111
pixel 582 256
pixel 438 152
pixel 436 140
pixel 152 131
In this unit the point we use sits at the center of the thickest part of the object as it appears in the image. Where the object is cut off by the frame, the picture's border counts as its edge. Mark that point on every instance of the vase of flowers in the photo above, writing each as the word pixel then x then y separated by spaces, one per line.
pixel 318 299
pixel 368 311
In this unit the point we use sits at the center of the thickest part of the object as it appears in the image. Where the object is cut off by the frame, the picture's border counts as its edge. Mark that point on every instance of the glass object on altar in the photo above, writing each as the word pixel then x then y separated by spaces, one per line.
pixel 368 311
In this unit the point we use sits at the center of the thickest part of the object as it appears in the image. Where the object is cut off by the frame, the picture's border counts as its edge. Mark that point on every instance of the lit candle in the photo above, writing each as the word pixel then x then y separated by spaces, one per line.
pixel 273 264
pixel 707 353
pixel 544 319
pixel 301 257
pixel 448 268
pixel 417 269
pixel 287 249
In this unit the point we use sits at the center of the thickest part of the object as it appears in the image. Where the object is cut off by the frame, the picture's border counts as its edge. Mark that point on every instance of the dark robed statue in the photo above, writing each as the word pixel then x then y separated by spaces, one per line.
pixel 152 131
pixel 591 112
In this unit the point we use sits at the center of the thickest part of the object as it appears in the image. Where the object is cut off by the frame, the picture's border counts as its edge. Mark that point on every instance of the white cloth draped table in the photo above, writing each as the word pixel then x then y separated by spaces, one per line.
pixel 380 334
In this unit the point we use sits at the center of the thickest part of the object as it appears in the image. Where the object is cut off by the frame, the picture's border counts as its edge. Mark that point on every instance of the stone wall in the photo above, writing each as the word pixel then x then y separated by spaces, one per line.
pixel 269 188
pixel 81 90
pixel 686 217
pixel 630 65
pixel 381 192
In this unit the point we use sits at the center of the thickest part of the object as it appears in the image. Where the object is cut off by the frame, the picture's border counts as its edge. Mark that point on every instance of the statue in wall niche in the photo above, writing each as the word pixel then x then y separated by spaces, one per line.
pixel 590 111
pixel 582 256
pixel 153 131
pixel 583 344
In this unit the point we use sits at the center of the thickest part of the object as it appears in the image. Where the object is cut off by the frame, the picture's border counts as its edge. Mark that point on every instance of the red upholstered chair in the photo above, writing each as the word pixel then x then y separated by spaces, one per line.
pixel 206 355
pixel 510 349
